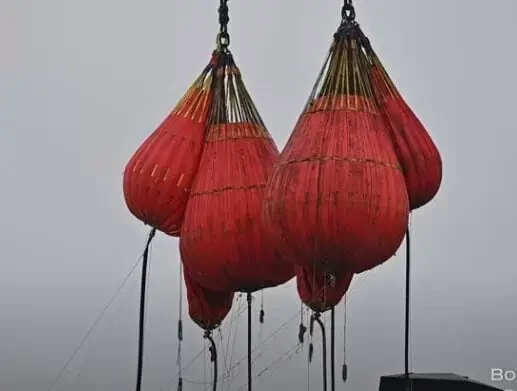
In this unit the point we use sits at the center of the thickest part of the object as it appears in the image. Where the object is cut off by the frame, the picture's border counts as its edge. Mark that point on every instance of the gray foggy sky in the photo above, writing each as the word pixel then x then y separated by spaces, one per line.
pixel 82 83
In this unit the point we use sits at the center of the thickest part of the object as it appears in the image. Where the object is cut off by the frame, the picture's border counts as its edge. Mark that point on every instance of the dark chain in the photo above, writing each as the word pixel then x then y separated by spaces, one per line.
pixel 223 37
pixel 348 26
pixel 348 11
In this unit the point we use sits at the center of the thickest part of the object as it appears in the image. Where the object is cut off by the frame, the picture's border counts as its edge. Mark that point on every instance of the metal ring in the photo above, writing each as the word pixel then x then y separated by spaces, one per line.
pixel 223 39
pixel 348 12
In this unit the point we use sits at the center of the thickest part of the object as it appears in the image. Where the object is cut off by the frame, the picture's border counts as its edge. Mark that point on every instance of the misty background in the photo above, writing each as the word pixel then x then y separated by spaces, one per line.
pixel 82 83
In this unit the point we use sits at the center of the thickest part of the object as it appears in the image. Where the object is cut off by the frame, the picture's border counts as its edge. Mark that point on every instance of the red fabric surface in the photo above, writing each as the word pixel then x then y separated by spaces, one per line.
pixel 158 177
pixel 337 197
pixel 415 149
pixel 205 307
pixel 319 291
pixel 223 243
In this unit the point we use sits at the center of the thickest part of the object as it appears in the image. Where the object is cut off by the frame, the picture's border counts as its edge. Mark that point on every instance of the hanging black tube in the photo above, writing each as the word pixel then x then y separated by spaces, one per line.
pixel 262 312
pixel 311 333
pixel 143 287
pixel 180 327
pixel 332 349
pixel 344 368
pixel 249 298
pixel 406 342
pixel 213 358
pixel 302 329
pixel 316 318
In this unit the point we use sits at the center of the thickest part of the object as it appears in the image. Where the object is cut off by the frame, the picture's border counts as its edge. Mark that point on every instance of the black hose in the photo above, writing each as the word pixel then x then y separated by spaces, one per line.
pixel 332 350
pixel 344 368
pixel 213 358
pixel 316 318
pixel 143 287
pixel 408 304
pixel 249 298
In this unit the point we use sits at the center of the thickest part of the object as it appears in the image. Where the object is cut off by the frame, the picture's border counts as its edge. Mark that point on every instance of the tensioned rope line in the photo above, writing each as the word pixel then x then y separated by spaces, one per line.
pixel 237 366
pixel 235 314
pixel 228 361
pixel 95 323
pixel 90 350
pixel 266 341
pixel 270 338
pixel 232 372
pixel 229 368
pixel 285 355
pixel 240 311
pixel 225 354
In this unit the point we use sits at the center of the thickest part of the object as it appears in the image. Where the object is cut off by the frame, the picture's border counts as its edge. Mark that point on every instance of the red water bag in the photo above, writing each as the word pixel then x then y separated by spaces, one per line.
pixel 416 151
pixel 321 291
pixel 158 177
pixel 205 307
pixel 223 243
pixel 337 199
